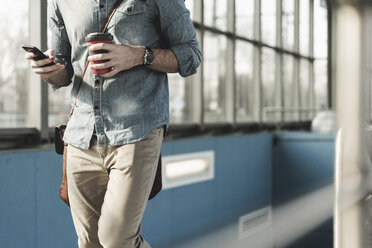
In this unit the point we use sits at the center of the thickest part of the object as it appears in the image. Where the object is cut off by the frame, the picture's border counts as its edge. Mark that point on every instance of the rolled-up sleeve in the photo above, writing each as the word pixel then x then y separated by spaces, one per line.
pixel 59 39
pixel 179 32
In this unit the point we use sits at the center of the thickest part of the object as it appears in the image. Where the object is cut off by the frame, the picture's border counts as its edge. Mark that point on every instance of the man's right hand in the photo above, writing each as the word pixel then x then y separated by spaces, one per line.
pixel 47 72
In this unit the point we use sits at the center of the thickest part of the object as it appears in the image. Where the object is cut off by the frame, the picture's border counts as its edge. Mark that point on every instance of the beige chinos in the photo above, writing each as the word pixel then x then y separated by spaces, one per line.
pixel 108 190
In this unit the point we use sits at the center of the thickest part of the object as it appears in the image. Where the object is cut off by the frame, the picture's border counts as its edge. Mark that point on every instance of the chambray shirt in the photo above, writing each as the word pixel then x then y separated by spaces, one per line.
pixel 127 107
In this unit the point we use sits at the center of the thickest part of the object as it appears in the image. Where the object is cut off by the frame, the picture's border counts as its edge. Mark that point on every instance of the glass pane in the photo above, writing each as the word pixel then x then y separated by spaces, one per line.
pixel 321 84
pixel 288 24
pixel 244 18
pixel 304 27
pixel 245 92
pixel 180 99
pixel 268 85
pixel 289 87
pixel 320 54
pixel 305 101
pixel 268 21
pixel 59 106
pixel 13 67
pixel 214 77
pixel 215 13
pixel 320 30
pixel 190 6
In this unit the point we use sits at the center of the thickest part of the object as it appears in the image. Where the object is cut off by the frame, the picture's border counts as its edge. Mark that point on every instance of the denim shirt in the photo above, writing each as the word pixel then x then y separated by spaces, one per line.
pixel 127 107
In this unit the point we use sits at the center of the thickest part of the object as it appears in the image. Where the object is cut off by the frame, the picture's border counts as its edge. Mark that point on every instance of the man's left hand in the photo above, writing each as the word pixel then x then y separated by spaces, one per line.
pixel 120 57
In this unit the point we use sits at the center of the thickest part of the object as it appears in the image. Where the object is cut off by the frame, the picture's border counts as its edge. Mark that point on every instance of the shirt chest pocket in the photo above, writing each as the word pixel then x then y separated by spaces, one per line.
pixel 132 7
pixel 130 22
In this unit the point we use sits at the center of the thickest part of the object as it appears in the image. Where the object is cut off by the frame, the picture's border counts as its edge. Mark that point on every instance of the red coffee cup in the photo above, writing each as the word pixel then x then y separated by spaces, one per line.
pixel 95 38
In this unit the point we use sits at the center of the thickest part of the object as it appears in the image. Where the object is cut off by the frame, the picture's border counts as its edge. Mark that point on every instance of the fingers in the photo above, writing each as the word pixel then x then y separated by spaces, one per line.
pixel 102 46
pixel 40 63
pixel 29 56
pixel 49 69
pixel 101 56
pixel 111 73
pixel 51 54
pixel 104 65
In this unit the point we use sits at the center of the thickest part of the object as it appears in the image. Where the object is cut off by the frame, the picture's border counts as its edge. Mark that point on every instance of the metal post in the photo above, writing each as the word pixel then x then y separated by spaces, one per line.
pixel 38 90
pixel 230 66
pixel 297 116
pixel 311 64
pixel 350 170
pixel 279 98
pixel 257 62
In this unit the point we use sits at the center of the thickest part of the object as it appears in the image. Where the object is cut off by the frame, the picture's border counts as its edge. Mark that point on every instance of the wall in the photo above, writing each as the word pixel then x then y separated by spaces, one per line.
pixel 252 171
pixel 33 216
pixel 303 181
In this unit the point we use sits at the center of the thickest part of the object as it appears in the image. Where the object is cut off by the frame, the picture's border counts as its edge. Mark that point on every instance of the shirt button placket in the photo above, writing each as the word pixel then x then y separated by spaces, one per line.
pixel 102 11
pixel 102 4
pixel 96 108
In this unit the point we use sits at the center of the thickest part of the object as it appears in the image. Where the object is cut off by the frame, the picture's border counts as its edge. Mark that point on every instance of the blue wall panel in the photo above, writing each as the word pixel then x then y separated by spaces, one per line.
pixel 242 184
pixel 33 216
pixel 303 163
pixel 18 201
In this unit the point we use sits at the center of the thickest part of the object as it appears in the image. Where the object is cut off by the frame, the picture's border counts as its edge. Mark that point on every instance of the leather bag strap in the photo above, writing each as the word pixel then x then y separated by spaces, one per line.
pixel 102 30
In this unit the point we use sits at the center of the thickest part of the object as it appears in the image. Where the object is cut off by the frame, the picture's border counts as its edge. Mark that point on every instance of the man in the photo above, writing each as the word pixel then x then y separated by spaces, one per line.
pixel 116 130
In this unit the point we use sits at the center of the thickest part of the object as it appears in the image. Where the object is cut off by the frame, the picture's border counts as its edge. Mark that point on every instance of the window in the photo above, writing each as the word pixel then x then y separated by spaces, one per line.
pixel 285 96
pixel 268 21
pixel 13 67
pixel 289 86
pixel 214 77
pixel 190 6
pixel 244 19
pixel 263 61
pixel 305 90
pixel 180 100
pixel 305 27
pixel 321 55
pixel 269 85
pixel 321 84
pixel 245 88
pixel 288 22
pixel 59 103
pixel 215 13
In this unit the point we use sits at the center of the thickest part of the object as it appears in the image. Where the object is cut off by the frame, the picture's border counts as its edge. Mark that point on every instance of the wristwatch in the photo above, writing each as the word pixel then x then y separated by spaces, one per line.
pixel 148 57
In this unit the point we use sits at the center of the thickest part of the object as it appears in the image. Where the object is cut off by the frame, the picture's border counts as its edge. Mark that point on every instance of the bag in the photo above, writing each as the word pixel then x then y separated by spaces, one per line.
pixel 61 147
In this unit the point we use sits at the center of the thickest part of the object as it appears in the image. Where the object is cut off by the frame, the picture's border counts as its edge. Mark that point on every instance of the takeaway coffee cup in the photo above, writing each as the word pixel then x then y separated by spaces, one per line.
pixel 95 38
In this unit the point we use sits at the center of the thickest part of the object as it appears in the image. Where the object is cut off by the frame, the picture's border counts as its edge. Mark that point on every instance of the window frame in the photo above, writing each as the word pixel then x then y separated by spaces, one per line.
pixel 38 100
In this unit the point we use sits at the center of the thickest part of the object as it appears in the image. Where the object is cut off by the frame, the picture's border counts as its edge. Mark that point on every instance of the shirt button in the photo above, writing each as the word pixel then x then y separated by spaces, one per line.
pixel 129 9
pixel 96 82
pixel 101 6
pixel 96 107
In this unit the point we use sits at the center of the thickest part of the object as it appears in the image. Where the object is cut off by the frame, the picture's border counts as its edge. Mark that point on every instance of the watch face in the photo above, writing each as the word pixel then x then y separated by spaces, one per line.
pixel 149 56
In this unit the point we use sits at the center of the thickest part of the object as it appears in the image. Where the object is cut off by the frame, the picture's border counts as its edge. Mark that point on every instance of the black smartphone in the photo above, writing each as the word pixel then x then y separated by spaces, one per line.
pixel 38 54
